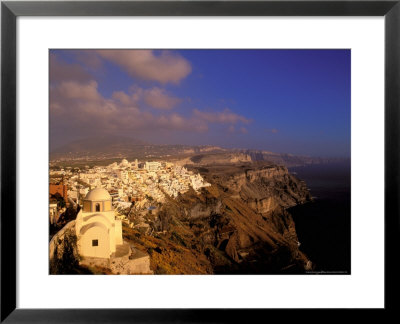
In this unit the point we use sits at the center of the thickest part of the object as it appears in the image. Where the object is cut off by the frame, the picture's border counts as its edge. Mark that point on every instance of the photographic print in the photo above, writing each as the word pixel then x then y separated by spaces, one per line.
pixel 177 161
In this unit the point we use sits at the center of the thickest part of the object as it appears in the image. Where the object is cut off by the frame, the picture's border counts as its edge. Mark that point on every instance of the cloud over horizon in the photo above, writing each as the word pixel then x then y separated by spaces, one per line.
pixel 77 104
pixel 82 106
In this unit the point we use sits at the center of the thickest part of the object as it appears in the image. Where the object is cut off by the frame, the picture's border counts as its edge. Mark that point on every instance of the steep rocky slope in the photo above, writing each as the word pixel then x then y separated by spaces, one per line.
pixel 237 225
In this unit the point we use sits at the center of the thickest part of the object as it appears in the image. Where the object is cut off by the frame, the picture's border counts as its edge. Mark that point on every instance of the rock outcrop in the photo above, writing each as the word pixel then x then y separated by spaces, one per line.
pixel 63 252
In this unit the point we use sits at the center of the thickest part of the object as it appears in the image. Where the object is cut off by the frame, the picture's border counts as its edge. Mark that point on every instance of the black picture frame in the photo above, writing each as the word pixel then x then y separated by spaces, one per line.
pixel 10 10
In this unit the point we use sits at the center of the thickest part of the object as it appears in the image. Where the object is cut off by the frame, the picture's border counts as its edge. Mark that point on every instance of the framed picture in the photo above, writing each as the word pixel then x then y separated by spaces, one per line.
pixel 220 149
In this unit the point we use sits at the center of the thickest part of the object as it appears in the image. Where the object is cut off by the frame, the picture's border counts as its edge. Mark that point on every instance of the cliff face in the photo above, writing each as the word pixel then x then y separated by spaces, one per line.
pixel 270 188
pixel 210 159
pixel 266 188
pixel 256 198
pixel 237 225
pixel 288 160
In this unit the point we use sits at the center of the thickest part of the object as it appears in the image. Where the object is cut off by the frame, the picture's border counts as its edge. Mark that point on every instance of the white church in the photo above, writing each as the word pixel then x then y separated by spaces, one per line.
pixel 97 230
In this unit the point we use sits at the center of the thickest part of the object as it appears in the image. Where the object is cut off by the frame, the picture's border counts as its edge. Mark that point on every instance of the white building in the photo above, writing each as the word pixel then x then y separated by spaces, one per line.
pixel 152 166
pixel 97 230
pixel 123 175
pixel 135 164
pixel 53 213
pixel 124 163
pixel 83 191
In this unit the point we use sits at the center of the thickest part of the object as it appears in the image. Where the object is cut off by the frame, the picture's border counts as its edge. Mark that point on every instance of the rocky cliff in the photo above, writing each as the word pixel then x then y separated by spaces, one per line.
pixel 237 225
pixel 288 160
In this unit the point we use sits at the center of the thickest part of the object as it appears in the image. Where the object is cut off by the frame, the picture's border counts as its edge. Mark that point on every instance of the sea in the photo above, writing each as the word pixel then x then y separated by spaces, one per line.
pixel 324 225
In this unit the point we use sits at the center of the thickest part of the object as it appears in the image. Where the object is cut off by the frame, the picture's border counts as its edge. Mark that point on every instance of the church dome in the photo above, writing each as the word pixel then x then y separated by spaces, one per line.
pixel 98 194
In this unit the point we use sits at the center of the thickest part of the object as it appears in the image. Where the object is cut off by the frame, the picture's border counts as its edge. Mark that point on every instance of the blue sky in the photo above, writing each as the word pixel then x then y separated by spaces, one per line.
pixel 289 101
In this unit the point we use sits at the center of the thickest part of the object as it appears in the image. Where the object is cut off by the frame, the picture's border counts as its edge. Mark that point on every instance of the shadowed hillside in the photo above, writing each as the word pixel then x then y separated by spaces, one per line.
pixel 237 225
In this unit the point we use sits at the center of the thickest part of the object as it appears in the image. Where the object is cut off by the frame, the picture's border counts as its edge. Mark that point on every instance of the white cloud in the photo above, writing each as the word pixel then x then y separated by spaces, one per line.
pixel 224 117
pixel 159 98
pixel 166 67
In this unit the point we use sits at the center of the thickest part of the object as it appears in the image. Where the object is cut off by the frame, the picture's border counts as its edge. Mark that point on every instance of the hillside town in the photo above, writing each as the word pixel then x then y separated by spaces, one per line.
pixel 134 186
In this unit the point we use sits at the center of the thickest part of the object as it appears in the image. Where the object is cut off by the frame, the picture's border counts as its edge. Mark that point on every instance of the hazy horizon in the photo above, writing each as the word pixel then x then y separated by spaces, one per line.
pixel 284 101
pixel 57 148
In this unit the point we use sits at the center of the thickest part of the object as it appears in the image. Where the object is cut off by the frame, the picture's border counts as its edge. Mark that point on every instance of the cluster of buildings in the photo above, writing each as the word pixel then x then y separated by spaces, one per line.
pixel 144 183
pixel 104 193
